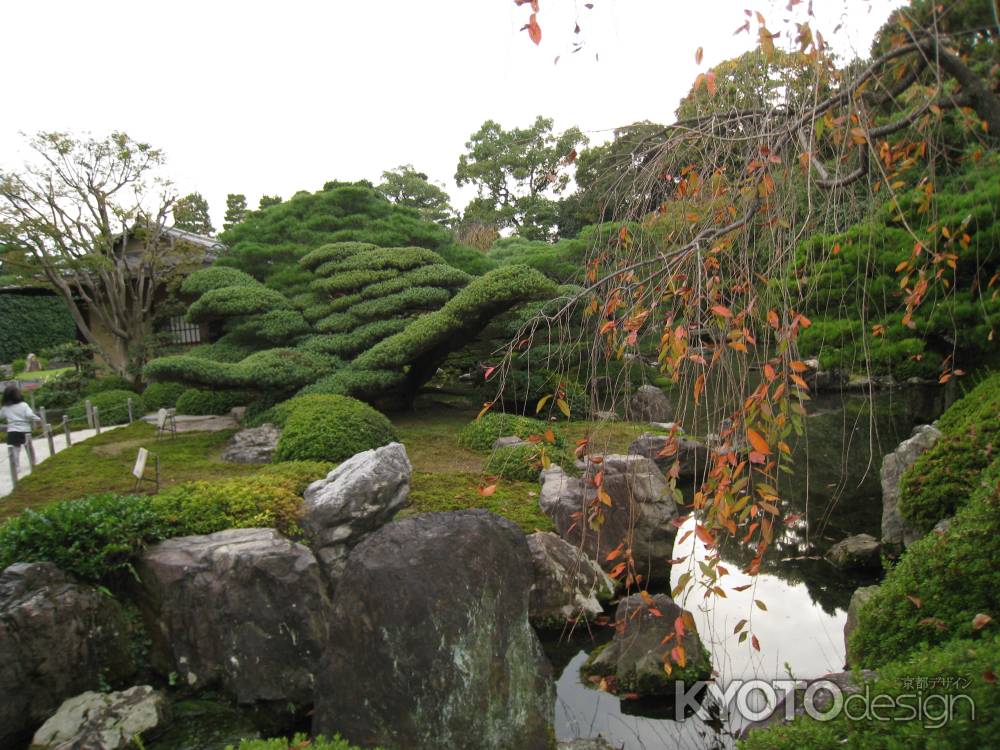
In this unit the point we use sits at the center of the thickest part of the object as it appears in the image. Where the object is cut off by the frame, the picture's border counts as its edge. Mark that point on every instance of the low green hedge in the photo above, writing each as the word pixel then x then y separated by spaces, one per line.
pixel 112 407
pixel 298 742
pixel 332 428
pixel 939 585
pixel 480 434
pixel 106 383
pixel 162 395
pixel 942 478
pixel 197 402
pixel 970 662
pixel 524 462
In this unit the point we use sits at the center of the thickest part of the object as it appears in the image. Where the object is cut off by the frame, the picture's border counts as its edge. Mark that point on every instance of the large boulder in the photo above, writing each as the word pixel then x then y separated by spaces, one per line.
pixel 57 639
pixel 639 517
pixel 645 636
pixel 430 645
pixel 690 455
pixel 242 609
pixel 254 445
pixel 104 721
pixel 895 530
pixel 650 404
pixel 355 499
pixel 858 599
pixel 568 585
pixel 856 552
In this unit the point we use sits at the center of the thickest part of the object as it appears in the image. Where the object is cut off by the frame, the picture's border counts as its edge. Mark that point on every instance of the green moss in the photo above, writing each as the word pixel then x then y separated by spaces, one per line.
pixel 524 462
pixel 515 501
pixel 332 428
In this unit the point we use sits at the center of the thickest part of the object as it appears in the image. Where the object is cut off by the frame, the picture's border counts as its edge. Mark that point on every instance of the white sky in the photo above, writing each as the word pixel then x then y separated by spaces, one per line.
pixel 264 97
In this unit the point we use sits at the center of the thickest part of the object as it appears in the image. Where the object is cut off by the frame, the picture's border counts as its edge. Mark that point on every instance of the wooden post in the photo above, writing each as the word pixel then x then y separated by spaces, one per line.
pixel 66 431
pixel 89 408
pixel 11 449
pixel 131 418
pixel 96 415
pixel 31 398
pixel 44 416
pixel 52 441
pixel 29 445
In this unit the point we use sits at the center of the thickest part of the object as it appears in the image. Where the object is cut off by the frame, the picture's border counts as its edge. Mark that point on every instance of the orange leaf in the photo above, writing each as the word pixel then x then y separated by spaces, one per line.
pixel 534 30
pixel 679 656
pixel 980 621
pixel 710 82
pixel 615 553
pixel 916 602
pixel 758 442
pixel 487 491
pixel 704 534
pixel 772 318
pixel 722 310
pixel 798 366
pixel 698 55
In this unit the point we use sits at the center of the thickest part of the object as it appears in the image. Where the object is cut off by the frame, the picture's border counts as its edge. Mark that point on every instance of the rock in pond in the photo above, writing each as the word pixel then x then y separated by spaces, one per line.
pixel 568 585
pixel 355 499
pixel 690 455
pixel 895 530
pixel 58 638
pixel 640 515
pixel 254 445
pixel 430 645
pixel 242 609
pixel 650 404
pixel 645 635
pixel 858 600
pixel 104 721
pixel 856 552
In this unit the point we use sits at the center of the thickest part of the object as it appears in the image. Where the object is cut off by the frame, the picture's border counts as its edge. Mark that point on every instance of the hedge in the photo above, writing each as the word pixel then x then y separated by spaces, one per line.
pixel 216 277
pixel 162 395
pixel 112 407
pixel 32 323
pixel 197 402
pixel 235 300
pixel 332 428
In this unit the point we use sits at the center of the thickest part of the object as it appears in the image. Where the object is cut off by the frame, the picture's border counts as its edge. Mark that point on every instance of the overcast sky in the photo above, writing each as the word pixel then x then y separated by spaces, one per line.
pixel 264 97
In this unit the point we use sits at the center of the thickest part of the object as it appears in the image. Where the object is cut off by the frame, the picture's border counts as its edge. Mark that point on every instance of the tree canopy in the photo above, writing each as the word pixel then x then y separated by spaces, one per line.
pixel 405 186
pixel 191 215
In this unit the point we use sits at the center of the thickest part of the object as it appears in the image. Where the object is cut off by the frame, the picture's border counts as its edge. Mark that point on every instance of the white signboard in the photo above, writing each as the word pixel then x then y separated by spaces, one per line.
pixel 140 463
pixel 161 419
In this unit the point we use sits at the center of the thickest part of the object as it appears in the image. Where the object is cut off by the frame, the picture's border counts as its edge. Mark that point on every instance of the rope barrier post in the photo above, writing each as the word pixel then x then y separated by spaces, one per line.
pixel 11 457
pixel 44 416
pixel 89 408
pixel 31 398
pixel 69 439
pixel 131 418
pixel 52 440
pixel 29 445
pixel 96 414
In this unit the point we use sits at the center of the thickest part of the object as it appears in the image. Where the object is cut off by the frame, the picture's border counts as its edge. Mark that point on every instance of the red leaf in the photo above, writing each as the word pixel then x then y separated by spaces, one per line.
pixel 534 30
pixel 704 534
pixel 489 371
pixel 980 621
pixel 754 642
pixel 487 491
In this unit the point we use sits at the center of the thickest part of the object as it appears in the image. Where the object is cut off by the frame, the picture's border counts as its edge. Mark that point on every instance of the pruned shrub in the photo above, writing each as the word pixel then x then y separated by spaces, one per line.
pixel 112 407
pixel 162 395
pixel 332 428
pixel 479 435
pixel 298 742
pixel 106 383
pixel 525 461
pixel 198 402
pixel 230 301
pixel 216 277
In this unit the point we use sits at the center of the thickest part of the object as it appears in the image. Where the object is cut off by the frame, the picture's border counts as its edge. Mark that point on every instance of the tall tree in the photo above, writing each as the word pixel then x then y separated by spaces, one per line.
pixel 405 186
pixel 268 200
pixel 517 172
pixel 87 216
pixel 191 215
pixel 236 210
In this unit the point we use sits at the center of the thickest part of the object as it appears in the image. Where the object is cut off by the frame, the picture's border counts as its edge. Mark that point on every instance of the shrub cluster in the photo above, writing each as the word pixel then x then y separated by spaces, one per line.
pixel 162 395
pixel 332 428
pixel 525 461
pixel 112 407
pixel 298 742
pixel 105 383
pixel 198 402
pixel 480 434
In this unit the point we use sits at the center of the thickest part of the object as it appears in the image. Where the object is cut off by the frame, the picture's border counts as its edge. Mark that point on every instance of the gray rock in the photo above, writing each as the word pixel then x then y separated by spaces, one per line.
pixel 597 743
pixel 639 516
pixel 57 639
pixel 355 499
pixel 856 552
pixel 508 440
pixel 942 527
pixel 605 415
pixel 690 454
pixel 644 636
pixel 104 721
pixel 243 609
pixel 650 404
pixel 895 530
pixel 858 599
pixel 430 645
pixel 254 445
pixel 567 586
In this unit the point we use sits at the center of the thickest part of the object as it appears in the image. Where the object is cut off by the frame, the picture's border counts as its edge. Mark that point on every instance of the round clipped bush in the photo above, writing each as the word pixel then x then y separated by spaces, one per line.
pixel 480 434
pixel 112 407
pixel 195 401
pixel 107 383
pixel 162 395
pixel 332 428
pixel 524 462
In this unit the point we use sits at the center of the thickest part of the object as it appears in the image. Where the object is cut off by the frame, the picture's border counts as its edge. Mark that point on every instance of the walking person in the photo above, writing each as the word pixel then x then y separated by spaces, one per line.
pixel 19 418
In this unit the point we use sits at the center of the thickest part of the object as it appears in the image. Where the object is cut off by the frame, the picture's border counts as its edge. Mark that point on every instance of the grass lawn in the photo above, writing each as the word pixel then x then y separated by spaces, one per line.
pixel 42 375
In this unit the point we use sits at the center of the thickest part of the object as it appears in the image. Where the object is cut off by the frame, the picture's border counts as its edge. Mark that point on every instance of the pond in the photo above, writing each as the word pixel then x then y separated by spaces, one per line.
pixel 837 492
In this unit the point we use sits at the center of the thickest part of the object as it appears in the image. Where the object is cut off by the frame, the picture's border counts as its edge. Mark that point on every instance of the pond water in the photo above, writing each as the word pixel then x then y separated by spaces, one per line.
pixel 837 492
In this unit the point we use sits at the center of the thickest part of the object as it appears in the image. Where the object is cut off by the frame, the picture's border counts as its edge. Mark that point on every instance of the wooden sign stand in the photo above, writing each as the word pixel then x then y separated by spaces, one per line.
pixel 139 470
pixel 165 422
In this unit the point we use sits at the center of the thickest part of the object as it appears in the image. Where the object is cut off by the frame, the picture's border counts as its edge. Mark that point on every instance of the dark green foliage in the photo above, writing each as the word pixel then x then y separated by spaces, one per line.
pixel 280 369
pixel 361 338
pixel 941 479
pixel 32 323
pixel 335 251
pixel 112 407
pixel 216 277
pixel 60 392
pixel 295 743
pixel 350 281
pixel 106 383
pixel 273 327
pixel 191 214
pixel 162 395
pixel 230 301
pixel 198 402
pixel 524 462
pixel 367 384
pixel 279 413
pixel 953 576
pixel 226 349
pixel 434 274
pixel 480 434
pixel 465 259
pixel 88 538
pixel 332 429
pixel 561 261
pixel 968 662
pixel 523 390
pixel 411 300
